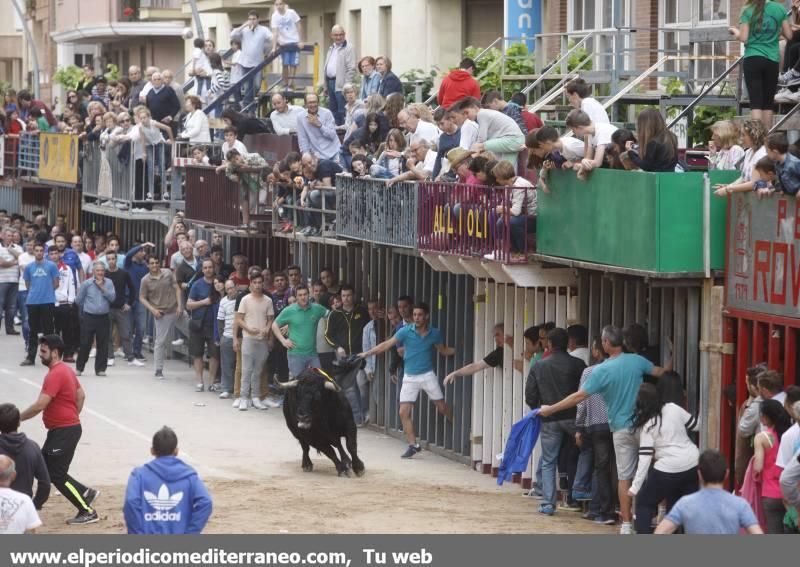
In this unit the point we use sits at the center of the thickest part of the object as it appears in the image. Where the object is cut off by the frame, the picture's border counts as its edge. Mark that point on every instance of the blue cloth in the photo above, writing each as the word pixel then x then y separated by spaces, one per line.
pixel 199 291
pixel 71 259
pixel 135 269
pixel 519 446
pixel 712 511
pixel 617 380
pixel 789 174
pixel 166 496
pixel 93 300
pixel 419 350
pixel 389 84
pixel 323 142
pixel 369 85
pixel 39 277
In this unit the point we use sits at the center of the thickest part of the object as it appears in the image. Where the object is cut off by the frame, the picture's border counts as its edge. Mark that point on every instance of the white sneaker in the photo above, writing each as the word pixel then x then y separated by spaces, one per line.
pixel 270 403
pixel 783 95
pixel 135 362
pixel 790 77
pixel 626 529
pixel 258 405
pixel 489 256
pixel 794 97
pixel 177 342
pixel 165 196
pixel 93 353
pixel 145 340
pixel 119 353
pixel 199 388
pixel 111 362
pixel 242 404
pixel 149 196
pixel 225 395
pixel 236 402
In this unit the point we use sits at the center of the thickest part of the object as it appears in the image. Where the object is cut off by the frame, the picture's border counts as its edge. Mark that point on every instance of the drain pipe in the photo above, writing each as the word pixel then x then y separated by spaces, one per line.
pixel 198 24
pixel 32 46
pixel 705 322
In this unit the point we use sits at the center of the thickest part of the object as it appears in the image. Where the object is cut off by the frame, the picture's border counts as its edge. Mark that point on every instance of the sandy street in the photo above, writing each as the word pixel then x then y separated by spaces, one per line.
pixel 251 464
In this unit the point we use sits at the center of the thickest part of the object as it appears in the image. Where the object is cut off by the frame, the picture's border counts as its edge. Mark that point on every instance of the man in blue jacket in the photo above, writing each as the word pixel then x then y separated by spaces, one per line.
pixel 165 496
pixel 136 265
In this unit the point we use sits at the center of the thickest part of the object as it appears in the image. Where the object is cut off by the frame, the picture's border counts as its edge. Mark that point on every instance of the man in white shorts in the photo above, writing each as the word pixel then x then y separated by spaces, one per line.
pixel 419 342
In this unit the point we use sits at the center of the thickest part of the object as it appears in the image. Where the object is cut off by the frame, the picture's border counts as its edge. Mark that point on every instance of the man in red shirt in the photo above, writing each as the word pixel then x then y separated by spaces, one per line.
pixel 459 83
pixel 60 402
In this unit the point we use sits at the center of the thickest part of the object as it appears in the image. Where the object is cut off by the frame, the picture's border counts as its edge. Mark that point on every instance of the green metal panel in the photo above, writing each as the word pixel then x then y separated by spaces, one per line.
pixel 637 220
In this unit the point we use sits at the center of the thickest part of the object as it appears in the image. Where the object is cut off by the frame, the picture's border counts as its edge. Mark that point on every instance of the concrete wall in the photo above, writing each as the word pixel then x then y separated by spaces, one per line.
pixel 72 13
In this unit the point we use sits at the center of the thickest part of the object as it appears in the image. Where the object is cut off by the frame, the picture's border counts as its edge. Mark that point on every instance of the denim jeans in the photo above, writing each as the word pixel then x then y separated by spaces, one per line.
pixel 518 230
pixel 603 487
pixel 251 87
pixel 380 172
pixel 315 199
pixel 227 363
pixel 299 362
pixel 585 470
pixel 336 102
pixel 22 307
pixel 138 323
pixel 552 434
pixel 8 303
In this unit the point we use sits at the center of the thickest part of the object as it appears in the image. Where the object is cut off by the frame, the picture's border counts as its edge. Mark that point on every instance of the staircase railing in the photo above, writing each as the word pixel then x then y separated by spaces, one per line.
pixel 705 91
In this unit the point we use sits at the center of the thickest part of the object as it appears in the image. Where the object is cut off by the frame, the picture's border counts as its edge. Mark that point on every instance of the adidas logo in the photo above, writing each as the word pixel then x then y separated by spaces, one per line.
pixel 163 502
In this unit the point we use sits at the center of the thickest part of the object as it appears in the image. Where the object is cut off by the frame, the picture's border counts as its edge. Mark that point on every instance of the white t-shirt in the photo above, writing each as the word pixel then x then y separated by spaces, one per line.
pixel 256 312
pixel 572 148
pixel 430 161
pixel 595 110
pixel 226 313
pixel 17 512
pixel 24 259
pixel 602 134
pixel 750 160
pixel 201 62
pixel 86 262
pixel 425 131
pixel 10 274
pixel 237 145
pixel 469 134
pixel 788 447
pixel 286 26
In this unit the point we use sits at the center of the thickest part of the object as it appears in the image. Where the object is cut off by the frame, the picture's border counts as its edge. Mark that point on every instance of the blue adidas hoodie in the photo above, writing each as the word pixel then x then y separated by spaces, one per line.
pixel 166 496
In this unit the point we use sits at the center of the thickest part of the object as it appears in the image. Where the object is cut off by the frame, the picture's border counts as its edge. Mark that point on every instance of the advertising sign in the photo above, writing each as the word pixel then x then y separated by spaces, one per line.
pixel 58 158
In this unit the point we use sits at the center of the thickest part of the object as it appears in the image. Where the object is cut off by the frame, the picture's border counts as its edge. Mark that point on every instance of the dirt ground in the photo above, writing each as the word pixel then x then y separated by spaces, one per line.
pixel 323 503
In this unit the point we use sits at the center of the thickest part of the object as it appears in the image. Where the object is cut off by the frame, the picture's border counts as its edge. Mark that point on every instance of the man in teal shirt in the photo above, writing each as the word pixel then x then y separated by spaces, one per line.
pixel 302 318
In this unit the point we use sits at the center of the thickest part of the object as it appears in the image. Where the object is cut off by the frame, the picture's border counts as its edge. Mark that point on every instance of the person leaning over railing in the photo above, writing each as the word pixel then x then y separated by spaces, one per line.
pixel 320 174
pixel 522 212
pixel 420 162
pixel 754 136
pixel 244 169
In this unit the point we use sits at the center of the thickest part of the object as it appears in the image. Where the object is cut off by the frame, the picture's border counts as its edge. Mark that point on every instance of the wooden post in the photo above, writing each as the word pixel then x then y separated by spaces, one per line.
pixel 713 387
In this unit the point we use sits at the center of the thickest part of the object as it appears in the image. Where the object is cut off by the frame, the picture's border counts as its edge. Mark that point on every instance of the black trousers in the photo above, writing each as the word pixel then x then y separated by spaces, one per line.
pixel 58 450
pixel 662 486
pixel 97 329
pixel 67 325
pixel 603 447
pixel 278 362
pixel 40 319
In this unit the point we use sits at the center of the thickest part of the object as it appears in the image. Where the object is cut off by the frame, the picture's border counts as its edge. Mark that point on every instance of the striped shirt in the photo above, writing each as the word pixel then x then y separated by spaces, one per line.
pixel 592 412
pixel 220 82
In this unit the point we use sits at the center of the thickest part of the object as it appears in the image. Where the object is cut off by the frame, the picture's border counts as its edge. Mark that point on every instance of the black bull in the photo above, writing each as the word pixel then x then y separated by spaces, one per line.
pixel 318 415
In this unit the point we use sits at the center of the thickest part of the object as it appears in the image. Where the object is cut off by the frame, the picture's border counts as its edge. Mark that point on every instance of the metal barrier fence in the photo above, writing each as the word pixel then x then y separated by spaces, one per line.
pixel 369 210
pixel 472 221
pixel 292 215
pixel 10 155
pixel 28 156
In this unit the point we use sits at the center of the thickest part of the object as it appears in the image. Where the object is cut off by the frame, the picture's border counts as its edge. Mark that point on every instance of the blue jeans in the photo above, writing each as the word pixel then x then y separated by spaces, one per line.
pixel 8 303
pixel 251 87
pixel 585 470
pixel 518 231
pixel 138 323
pixel 380 172
pixel 552 435
pixel 203 84
pixel 315 200
pixel 336 101
pixel 299 362
pixel 22 306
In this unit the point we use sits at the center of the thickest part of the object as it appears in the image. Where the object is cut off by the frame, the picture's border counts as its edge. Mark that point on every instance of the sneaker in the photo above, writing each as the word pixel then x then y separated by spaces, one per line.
pixel 149 196
pixel 199 388
pixel 591 516
pixel 101 374
pixel 783 95
pixel 626 528
pixel 110 362
pixel 139 357
pixel 119 353
pixel 236 402
pixel 93 353
pixel 243 403
pixel 258 405
pixel 135 362
pixel 13 332
pixel 145 340
pixel 79 373
pixel 411 451
pixel 159 374
pixel 84 517
pixel 26 362
pixel 214 387
pixel 789 78
pixel 570 507
pixel 225 395
pixel 270 403
pixel 490 256
pixel 579 495
pixel 177 342
pixel 546 509
pixel 90 496
pixel 605 520
pixel 165 196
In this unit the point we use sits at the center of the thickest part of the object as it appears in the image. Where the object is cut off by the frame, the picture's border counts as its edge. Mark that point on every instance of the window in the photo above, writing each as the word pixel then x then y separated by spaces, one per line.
pixel 385 31
pixel 686 14
pixel 599 15
pixel 713 10
pixel 354 31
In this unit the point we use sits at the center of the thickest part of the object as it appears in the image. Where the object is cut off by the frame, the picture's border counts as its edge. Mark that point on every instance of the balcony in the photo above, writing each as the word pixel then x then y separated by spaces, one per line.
pixel 649 224
pixel 160 10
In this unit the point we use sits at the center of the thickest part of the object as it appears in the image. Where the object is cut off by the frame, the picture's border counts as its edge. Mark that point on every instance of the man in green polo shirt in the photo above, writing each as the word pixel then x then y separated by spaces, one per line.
pixel 302 318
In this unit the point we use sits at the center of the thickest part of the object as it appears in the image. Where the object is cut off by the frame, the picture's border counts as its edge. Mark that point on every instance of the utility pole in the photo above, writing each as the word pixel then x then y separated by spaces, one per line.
pixel 32 46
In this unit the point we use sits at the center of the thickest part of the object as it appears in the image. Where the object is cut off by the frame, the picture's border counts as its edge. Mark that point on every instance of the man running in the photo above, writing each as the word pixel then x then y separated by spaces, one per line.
pixel 61 401
pixel 419 341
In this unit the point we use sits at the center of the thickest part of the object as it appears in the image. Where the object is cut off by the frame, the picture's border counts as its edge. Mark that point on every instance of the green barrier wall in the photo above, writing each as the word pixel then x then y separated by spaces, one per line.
pixel 632 219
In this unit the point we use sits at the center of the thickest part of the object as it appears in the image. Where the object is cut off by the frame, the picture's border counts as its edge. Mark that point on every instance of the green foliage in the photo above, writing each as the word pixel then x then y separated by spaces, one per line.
pixel 704 118
pixel 410 77
pixel 68 77
pixel 577 58
pixel 673 86
pixel 490 67
pixel 112 72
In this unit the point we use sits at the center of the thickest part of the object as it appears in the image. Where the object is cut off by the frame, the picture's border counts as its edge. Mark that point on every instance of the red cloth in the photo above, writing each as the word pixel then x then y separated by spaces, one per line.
pixel 456 85
pixel 751 491
pixel 61 385
pixel 532 121
pixel 240 282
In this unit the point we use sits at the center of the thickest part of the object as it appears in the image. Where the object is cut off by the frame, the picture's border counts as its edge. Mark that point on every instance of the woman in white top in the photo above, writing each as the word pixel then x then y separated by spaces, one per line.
pixel 146 134
pixel 579 96
pixel 663 425
pixel 725 153
pixel 754 136
pixel 196 128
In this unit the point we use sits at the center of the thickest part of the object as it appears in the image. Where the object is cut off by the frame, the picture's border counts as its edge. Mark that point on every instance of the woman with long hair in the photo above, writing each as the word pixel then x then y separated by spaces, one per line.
pixel 658 147
pixel 243 123
pixel 392 161
pixel 761 24
pixel 774 421
pixel 725 153
pixel 754 136
pixel 663 426
pixel 371 135
pixel 395 102
pixel 220 79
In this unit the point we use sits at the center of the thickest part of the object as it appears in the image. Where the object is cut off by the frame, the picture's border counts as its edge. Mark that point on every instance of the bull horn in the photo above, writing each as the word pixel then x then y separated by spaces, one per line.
pixel 287 385
pixel 333 386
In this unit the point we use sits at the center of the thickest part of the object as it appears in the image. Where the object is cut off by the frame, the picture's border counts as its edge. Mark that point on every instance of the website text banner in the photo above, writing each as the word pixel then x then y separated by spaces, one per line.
pixel 391 551
pixel 763 272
